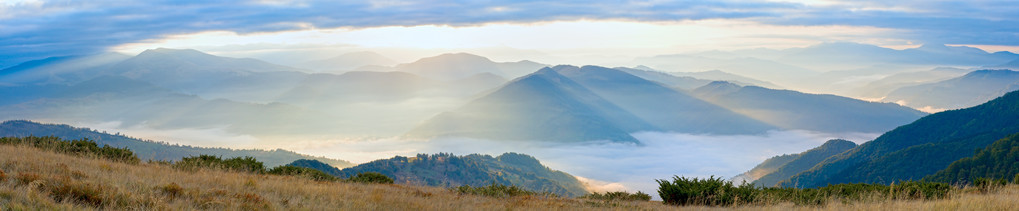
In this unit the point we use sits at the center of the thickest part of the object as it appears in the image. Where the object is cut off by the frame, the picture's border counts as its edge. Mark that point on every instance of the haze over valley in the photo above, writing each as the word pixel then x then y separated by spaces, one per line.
pixel 562 100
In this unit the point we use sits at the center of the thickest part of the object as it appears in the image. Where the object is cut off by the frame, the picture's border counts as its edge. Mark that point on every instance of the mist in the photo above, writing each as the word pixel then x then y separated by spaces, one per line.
pixel 603 165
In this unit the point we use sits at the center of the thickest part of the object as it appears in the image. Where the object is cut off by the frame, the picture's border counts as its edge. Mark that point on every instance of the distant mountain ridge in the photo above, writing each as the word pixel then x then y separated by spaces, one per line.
pixel 663 107
pixel 788 109
pixel 452 66
pixel 150 149
pixel 544 105
pixel 968 90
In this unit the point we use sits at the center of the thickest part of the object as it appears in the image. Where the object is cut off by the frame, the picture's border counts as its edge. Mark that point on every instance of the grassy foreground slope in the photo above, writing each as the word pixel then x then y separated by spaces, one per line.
pixel 146 149
pixel 33 179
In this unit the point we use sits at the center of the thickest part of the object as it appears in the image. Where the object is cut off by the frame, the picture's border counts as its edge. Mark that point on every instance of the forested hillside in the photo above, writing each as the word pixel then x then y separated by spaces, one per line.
pixel 1000 160
pixel 921 148
pixel 146 150
pixel 448 170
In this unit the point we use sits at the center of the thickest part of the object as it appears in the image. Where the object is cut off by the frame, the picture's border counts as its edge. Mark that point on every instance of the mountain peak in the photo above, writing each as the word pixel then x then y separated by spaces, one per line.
pixel 457 57
pixel 717 87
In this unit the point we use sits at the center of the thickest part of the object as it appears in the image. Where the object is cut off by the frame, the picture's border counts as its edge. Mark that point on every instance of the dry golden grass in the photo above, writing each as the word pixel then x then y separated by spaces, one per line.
pixel 31 179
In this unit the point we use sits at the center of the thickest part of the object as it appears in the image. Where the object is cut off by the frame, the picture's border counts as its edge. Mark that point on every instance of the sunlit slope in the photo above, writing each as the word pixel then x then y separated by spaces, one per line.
pixel 663 107
pixel 789 109
pixel 541 106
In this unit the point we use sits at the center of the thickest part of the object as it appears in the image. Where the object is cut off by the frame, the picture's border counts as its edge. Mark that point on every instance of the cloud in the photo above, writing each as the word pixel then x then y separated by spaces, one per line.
pixel 33 29
pixel 605 165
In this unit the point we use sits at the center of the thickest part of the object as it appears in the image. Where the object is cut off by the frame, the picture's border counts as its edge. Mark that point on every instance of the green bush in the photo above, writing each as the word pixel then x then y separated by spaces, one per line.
pixel 498 190
pixel 82 147
pixel 718 192
pixel 618 195
pixel 985 185
pixel 240 164
pixel 711 191
pixel 371 177
pixel 309 173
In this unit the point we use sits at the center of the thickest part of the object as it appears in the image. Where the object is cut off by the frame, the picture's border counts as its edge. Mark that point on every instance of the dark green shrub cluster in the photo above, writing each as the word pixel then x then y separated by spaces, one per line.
pixel 240 164
pixel 309 173
pixel 371 177
pixel 250 165
pixel 618 195
pixel 711 191
pixel 985 185
pixel 498 190
pixel 82 147
pixel 719 192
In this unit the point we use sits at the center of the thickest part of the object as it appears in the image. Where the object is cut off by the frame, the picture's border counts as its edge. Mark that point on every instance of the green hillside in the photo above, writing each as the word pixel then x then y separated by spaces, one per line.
pixel 805 161
pixel 921 148
pixel 1000 160
pixel 447 170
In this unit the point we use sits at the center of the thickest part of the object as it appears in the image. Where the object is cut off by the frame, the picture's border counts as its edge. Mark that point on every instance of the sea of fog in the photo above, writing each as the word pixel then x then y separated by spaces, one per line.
pixel 603 165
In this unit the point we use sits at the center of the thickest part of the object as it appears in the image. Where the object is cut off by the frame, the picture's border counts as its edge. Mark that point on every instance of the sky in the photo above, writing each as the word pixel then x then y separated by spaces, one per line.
pixel 34 29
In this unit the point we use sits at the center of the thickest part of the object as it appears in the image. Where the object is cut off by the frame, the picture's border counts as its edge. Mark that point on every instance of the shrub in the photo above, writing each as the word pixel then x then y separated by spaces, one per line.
pixel 921 190
pixel 309 173
pixel 717 192
pixel 82 147
pixel 618 195
pixel 497 190
pixel 985 185
pixel 371 177
pixel 241 164
pixel 712 192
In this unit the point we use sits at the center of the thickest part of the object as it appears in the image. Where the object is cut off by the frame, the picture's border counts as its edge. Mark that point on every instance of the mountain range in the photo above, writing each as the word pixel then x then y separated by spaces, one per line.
pixel 789 109
pixel 968 90
pixel 152 150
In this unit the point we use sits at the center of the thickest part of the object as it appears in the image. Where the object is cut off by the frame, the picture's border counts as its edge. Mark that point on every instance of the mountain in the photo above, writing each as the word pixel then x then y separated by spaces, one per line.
pixel 58 70
pixel 681 82
pixel 918 149
pixel 718 75
pixel 881 87
pixel 449 170
pixel 845 55
pixel 1012 65
pixel 357 86
pixel 460 65
pixel 1000 160
pixel 816 112
pixel 661 106
pixel 783 74
pixel 544 105
pixel 765 168
pixel 968 90
pixel 348 61
pixel 210 76
pixel 136 103
pixel 146 150
pixel 804 161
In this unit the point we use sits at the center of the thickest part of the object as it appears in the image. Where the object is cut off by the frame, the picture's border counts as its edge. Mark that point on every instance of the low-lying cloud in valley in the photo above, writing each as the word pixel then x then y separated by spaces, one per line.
pixel 603 165
pixel 611 166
